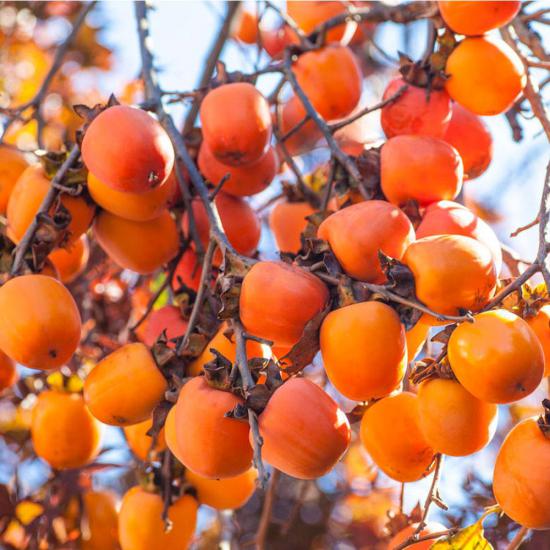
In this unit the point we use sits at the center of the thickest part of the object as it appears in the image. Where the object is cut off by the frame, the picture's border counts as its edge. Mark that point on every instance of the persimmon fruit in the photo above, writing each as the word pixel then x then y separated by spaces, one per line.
pixel 287 221
pixel 102 517
pixel 12 165
pixel 188 271
pixel 167 319
pixel 291 115
pixel 540 323
pixel 429 529
pixel 70 261
pixel 310 15
pixel 140 443
pixel 8 372
pixel 246 27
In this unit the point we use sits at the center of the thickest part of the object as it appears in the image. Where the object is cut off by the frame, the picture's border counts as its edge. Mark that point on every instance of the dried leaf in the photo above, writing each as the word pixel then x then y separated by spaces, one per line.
pixel 469 538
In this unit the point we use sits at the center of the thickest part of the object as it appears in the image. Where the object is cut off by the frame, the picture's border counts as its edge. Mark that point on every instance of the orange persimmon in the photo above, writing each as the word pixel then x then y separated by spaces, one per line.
pixel 12 165
pixel 310 15
pixel 188 271
pixel 102 518
pixel 70 261
pixel 287 221
pixel 8 372
pixel 167 319
pixel 540 323
pixel 246 27
pixel 140 443
pixel 429 529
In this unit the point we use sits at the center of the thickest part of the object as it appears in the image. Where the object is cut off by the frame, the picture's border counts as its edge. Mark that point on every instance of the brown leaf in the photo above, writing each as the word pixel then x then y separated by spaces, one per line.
pixel 258 397
pixel 160 412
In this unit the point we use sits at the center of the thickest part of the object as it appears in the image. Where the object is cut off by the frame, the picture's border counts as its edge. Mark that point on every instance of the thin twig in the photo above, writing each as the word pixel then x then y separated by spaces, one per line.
pixel 525 227
pixel 265 518
pixel 429 536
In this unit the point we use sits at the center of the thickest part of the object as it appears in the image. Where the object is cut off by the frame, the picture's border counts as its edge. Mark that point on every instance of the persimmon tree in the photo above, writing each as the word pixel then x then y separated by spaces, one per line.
pixel 390 332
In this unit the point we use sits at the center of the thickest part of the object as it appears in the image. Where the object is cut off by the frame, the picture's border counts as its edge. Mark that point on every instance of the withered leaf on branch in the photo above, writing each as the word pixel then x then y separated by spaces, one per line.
pixel 218 371
pixel 239 412
pixel 356 414
pixel 235 269
pixel 160 412
pixel 258 397
pixel 442 337
pixel 400 277
pixel 368 164
pixel 6 254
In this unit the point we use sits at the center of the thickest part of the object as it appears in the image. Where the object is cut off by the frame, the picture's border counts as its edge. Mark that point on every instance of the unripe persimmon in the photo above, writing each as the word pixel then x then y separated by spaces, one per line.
pixel 63 431
pixel 416 111
pixel 224 494
pixel 141 527
pixel 12 165
pixel 40 322
pixel 243 180
pixel 357 233
pixel 419 168
pixel 304 431
pixel 390 431
pixel 469 135
pixel 127 149
pixel 364 350
pixel 138 207
pixel 540 323
pixel 291 295
pixel 8 372
pixel 497 357
pixel 188 271
pixel 102 518
pixel 451 273
pixel 167 319
pixel 452 218
pixel 26 198
pixel 140 443
pixel 475 18
pixel 486 76
pixel 405 534
pixel 209 443
pixel 332 80
pixel 125 387
pixel 453 421
pixel 236 123
pixel 521 479
pixel 71 261
pixel 142 247
pixel 287 221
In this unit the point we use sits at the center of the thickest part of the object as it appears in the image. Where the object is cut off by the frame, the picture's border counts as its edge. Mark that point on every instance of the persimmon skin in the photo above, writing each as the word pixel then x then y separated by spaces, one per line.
pixel 453 421
pixel 291 113
pixel 416 111
pixel 403 535
pixel 40 322
pixel 8 372
pixel 125 387
pixel 497 358
pixel 451 272
pixel 224 494
pixel 332 80
pixel 63 431
pixel 188 271
pixel 452 218
pixel 304 431
pixel 138 207
pixel 243 180
pixel 240 222
pixel 476 18
pixel 469 135
pixel 128 150
pixel 70 262
pixel 420 168
pixel 170 434
pixel 208 443
pixel 309 15
pixel 102 517
pixel 357 233
pixel 236 123
pixel 390 431
pixel 291 295
pixel 416 336
pixel 167 318
pixel 287 221
pixel 142 247
pixel 246 29
pixel 540 324
pixel 364 350
pixel 486 75
pixel 521 478
pixel 140 443
pixel 12 165
pixel 26 198
pixel 141 527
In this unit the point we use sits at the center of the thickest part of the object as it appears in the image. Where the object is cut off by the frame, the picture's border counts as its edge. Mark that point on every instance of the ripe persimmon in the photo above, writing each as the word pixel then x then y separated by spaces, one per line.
pixel 209 443
pixel 142 247
pixel 469 135
pixel 274 41
pixel 127 149
pixel 63 431
pixel 125 387
pixel 364 350
pixel 246 27
pixel 416 336
pixel 102 518
pixel 141 527
pixel 287 220
pixel 416 111
pixel 331 78
pixel 243 180
pixel 451 273
pixel 224 494
pixel 521 479
pixel 12 165
pixel 40 322
pixel 540 323
pixel 310 15
pixel 167 319
pixel 26 198
pixel 240 222
pixel 170 435
pixel 70 261
pixel 304 431
pixel 138 207
pixel 475 18
pixel 497 357
pixel 390 431
pixel 486 76
pixel 419 168
pixel 357 233
pixel 452 218
pixel 278 300
pixel 453 421
pixel 140 443
pixel 291 114
pixel 8 372
pixel 188 271
pixel 236 123
pixel 429 529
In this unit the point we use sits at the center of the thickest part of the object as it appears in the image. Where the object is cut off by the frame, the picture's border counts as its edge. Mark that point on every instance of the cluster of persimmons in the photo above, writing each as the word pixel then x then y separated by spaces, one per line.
pixel 131 208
